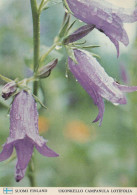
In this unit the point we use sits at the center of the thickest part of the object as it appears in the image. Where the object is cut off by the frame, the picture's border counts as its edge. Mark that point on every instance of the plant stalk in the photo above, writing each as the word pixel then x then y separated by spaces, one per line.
pixel 36 50
pixel 36 40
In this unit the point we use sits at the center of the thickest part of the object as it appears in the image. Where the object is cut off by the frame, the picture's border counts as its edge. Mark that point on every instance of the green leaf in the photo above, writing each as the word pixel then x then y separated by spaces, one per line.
pixel 90 46
pixel 7 80
pixel 65 26
pixel 51 4
pixel 39 101
pixel 66 6
pixel 71 54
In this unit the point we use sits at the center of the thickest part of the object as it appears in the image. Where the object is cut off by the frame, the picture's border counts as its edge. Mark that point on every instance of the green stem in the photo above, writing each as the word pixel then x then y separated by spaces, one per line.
pixel 36 34
pixel 42 4
pixel 47 53
pixel 36 49
pixel 36 40
pixel 40 7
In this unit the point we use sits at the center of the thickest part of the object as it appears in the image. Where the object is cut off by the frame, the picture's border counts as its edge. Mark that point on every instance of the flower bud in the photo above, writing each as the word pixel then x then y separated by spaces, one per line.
pixel 78 34
pixel 9 89
pixel 45 71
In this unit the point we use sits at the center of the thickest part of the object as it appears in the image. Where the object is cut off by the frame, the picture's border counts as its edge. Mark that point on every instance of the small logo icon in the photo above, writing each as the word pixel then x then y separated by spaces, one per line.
pixel 7 190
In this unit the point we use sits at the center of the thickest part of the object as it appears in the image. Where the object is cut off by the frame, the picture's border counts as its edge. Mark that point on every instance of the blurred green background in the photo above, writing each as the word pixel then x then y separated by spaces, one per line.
pixel 89 155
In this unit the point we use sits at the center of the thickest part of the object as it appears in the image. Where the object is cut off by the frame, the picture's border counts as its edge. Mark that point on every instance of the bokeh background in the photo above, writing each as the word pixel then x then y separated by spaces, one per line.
pixel 89 155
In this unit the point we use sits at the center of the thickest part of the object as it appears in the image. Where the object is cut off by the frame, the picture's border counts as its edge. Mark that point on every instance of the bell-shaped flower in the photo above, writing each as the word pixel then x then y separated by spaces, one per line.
pixel 106 17
pixel 24 133
pixel 93 78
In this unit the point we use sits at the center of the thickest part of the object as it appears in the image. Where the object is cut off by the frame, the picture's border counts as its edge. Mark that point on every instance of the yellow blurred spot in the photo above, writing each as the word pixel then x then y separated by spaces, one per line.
pixel 78 131
pixel 43 124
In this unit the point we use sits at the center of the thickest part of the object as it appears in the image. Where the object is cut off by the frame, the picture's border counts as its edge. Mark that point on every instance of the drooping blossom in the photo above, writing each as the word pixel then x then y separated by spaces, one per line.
pixel 93 78
pixel 24 135
pixel 106 17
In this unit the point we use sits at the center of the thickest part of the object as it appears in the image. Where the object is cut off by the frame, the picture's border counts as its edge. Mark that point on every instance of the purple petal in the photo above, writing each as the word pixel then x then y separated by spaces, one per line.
pixel 23 117
pixel 125 88
pixel 116 43
pixel 96 82
pixel 101 108
pixel 128 15
pixel 88 85
pixel 45 151
pixel 19 175
pixel 91 75
pixel 6 152
pixel 24 150
pixel 107 18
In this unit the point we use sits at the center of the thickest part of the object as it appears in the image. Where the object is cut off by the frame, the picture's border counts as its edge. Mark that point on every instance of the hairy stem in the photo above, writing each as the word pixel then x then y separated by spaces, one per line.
pixel 36 49
pixel 36 40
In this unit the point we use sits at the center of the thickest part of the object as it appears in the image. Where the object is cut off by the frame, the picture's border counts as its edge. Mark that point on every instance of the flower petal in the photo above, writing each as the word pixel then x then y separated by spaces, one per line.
pixel 45 151
pixel 101 108
pixel 6 152
pixel 88 84
pixel 23 116
pixel 125 88
pixel 19 175
pixel 106 17
pixel 24 150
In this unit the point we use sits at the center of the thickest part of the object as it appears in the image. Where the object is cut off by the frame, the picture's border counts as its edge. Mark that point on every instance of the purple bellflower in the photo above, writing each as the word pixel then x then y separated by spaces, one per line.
pixel 24 133
pixel 106 17
pixel 93 78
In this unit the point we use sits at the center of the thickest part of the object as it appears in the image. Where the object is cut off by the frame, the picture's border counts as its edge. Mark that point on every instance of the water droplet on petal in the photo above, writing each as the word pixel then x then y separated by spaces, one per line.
pixel 94 12
pixel 109 19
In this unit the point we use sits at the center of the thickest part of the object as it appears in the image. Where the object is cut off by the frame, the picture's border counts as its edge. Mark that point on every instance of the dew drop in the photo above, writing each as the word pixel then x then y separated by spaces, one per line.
pixel 109 19
pixel 116 104
pixel 94 11
pixel 66 75
pixel 17 116
pixel 66 10
pixel 58 47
